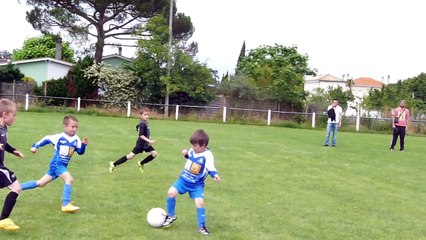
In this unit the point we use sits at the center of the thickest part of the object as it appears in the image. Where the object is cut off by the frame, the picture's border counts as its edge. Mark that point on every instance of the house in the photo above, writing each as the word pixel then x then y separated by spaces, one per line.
pixel 42 69
pixel 326 81
pixel 363 85
pixel 116 60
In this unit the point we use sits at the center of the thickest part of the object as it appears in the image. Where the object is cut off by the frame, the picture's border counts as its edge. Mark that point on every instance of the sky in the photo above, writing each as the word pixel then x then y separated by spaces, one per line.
pixel 362 38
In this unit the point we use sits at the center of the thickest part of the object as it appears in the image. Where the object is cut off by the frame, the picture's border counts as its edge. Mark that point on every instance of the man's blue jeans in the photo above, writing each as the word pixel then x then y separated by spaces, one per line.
pixel 331 127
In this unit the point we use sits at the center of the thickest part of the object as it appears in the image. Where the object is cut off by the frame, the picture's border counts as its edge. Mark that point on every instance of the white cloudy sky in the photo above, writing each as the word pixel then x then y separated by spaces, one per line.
pixel 365 38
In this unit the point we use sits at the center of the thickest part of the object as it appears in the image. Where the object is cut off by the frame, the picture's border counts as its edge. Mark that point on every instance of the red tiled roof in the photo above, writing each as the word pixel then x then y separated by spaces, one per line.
pixel 367 82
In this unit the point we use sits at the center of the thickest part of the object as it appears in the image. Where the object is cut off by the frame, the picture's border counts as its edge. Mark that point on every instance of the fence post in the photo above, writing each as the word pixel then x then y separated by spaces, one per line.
pixel 313 120
pixel 269 117
pixel 78 104
pixel 224 114
pixel 358 118
pixel 177 112
pixel 128 108
pixel 27 100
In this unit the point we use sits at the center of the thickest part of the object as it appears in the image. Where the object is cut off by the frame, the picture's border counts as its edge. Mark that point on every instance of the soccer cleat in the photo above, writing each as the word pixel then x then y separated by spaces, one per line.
pixel 8 224
pixel 169 221
pixel 204 231
pixel 140 166
pixel 111 167
pixel 69 208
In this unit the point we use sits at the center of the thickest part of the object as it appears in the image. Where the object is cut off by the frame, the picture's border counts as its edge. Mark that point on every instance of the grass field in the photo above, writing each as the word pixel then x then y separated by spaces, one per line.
pixel 277 183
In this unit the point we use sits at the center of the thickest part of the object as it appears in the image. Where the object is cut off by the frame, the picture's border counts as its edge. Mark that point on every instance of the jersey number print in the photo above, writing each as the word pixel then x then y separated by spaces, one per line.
pixel 66 151
pixel 193 167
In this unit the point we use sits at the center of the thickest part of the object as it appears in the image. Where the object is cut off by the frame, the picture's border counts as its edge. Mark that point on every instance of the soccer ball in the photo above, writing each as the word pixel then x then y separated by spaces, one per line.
pixel 156 217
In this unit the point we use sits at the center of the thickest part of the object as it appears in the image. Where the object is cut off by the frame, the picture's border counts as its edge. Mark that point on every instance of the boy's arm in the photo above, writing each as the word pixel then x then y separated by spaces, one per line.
pixel 211 169
pixel 82 148
pixel 44 141
pixel 13 150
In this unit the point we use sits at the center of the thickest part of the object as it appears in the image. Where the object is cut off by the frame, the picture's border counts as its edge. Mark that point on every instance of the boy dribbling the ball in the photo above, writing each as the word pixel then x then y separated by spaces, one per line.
pixel 143 144
pixel 8 178
pixel 65 144
pixel 199 164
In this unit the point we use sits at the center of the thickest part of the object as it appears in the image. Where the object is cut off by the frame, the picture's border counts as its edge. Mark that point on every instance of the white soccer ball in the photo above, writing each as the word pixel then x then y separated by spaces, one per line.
pixel 156 217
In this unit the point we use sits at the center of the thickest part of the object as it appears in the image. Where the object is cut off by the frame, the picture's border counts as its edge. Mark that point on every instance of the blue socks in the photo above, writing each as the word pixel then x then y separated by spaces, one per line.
pixel 171 205
pixel 66 198
pixel 201 217
pixel 29 185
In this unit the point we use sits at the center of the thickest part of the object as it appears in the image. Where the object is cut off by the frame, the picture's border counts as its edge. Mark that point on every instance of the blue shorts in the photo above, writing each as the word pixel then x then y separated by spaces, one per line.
pixel 195 191
pixel 56 170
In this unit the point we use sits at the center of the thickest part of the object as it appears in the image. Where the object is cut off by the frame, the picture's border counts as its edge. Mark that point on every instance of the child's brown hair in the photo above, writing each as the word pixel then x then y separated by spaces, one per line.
pixel 67 119
pixel 199 137
pixel 7 105
pixel 144 109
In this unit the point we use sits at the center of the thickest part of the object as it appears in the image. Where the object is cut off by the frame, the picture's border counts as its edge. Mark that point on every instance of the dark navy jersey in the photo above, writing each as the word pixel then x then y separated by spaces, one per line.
pixel 4 146
pixel 143 129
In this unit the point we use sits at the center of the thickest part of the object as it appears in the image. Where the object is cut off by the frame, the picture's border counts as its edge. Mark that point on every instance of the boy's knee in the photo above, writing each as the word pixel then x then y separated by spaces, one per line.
pixel 154 154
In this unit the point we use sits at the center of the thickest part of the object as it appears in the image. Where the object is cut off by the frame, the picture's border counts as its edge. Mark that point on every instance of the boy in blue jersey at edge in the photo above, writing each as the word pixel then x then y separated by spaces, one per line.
pixel 8 178
pixel 199 164
pixel 65 144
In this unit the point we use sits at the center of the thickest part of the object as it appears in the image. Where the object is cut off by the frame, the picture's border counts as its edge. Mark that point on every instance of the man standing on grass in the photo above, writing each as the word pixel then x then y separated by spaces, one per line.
pixel 335 113
pixel 401 115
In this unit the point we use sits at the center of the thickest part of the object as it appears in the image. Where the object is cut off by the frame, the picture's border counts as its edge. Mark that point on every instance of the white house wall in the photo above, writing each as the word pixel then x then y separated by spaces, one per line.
pixel 55 70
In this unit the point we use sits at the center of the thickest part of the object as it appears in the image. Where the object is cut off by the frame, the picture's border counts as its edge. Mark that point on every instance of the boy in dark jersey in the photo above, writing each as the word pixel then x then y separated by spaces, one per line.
pixel 143 144
pixel 8 179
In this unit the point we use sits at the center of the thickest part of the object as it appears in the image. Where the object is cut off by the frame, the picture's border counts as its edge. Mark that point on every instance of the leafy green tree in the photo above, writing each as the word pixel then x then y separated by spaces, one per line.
pixel 110 21
pixel 342 96
pixel 78 84
pixel 44 46
pixel 317 101
pixel 10 73
pixel 117 84
pixel 417 86
pixel 189 80
pixel 278 72
pixel 54 88
pixel 238 86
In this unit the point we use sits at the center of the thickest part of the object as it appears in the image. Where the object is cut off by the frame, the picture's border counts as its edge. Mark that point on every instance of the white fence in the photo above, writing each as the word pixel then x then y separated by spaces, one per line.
pixel 226 114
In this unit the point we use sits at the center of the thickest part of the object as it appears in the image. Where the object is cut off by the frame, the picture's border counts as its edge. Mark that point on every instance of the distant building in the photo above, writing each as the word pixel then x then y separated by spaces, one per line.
pixel 363 85
pixel 325 82
pixel 42 69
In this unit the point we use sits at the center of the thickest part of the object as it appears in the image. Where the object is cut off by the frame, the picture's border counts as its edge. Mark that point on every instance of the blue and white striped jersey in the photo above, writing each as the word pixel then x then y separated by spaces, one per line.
pixel 198 166
pixel 64 146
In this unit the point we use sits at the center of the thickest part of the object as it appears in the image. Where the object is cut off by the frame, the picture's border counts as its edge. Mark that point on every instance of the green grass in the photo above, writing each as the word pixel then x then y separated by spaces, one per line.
pixel 277 183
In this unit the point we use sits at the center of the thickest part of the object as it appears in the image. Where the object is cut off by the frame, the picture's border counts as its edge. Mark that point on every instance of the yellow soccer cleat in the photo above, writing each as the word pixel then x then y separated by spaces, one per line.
pixel 111 167
pixel 140 166
pixel 8 224
pixel 69 208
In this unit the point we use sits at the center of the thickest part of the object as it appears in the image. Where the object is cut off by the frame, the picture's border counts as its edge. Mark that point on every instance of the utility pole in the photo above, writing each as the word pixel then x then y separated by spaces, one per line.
pixel 169 59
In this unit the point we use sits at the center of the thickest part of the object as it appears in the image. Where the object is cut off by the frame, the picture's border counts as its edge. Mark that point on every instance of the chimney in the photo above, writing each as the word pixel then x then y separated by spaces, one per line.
pixel 58 54
pixel 120 51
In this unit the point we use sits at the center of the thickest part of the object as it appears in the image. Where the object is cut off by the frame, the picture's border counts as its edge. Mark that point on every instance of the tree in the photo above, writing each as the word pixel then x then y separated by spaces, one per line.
pixel 44 46
pixel 241 56
pixel 342 96
pixel 10 73
pixel 317 101
pixel 117 85
pixel 189 80
pixel 103 19
pixel 78 84
pixel 278 72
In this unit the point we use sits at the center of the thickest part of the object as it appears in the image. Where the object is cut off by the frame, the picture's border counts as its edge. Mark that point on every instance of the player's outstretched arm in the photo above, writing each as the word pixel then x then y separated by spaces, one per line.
pixel 19 154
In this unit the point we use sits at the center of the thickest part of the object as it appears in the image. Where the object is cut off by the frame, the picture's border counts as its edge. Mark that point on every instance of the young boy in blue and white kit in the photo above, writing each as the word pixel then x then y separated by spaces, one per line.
pixel 199 164
pixel 65 144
